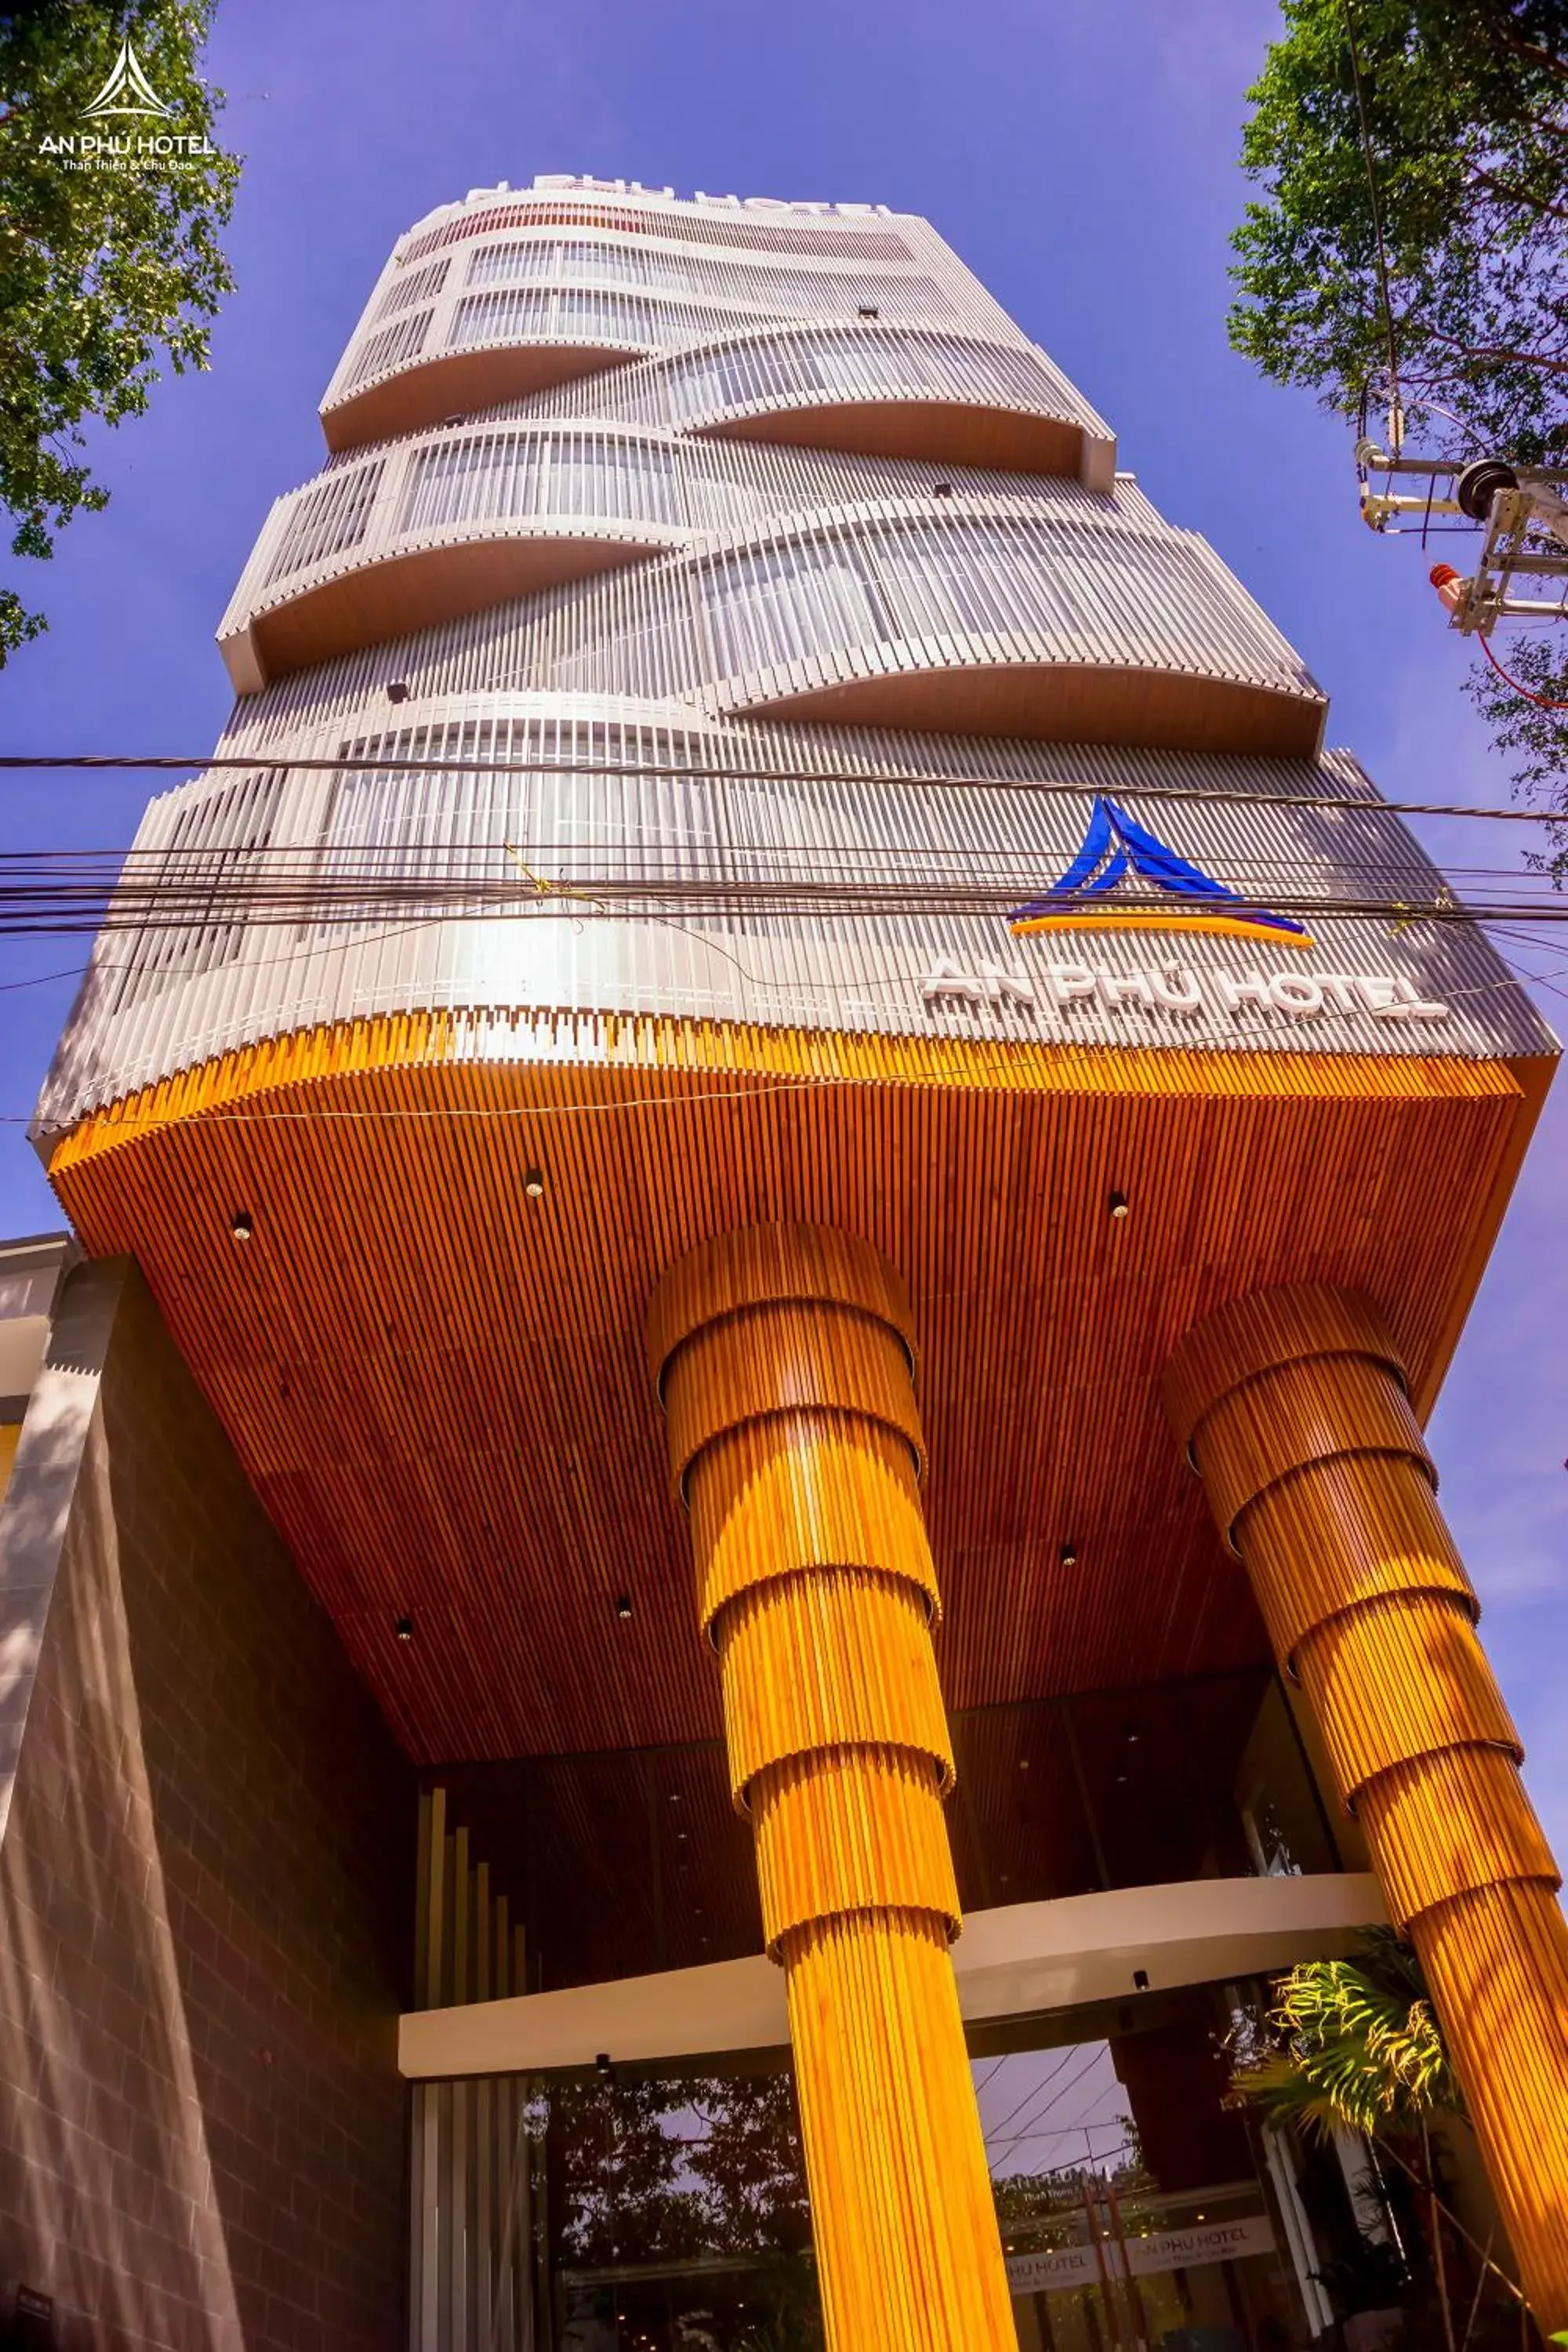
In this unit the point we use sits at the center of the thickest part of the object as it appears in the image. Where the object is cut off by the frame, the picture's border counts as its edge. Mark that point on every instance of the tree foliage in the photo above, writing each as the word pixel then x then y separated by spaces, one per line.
pixel 1420 147
pixel 1352 2045
pixel 669 2169
pixel 109 265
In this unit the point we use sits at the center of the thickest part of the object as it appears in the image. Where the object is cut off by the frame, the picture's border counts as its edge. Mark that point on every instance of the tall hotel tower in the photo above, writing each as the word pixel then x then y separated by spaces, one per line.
pixel 810 1169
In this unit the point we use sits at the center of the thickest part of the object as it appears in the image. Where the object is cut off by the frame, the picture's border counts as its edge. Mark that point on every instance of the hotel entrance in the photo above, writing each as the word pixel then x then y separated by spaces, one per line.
pixel 616 2202
pixel 1136 2209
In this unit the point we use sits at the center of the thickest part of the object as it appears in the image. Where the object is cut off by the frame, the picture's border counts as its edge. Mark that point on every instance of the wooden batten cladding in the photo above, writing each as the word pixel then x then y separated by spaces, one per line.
pixel 1293 1404
pixel 783 1357
pixel 1061 702
pixel 436 1385
pixel 954 433
pixel 430 390
pixel 476 2248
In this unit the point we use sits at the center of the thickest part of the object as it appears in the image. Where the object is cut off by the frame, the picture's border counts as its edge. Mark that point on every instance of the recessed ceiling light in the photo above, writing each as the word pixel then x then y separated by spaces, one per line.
pixel 242 1224
pixel 533 1183
pixel 405 1629
pixel 1070 1555
pixel 623 1606
pixel 1118 1205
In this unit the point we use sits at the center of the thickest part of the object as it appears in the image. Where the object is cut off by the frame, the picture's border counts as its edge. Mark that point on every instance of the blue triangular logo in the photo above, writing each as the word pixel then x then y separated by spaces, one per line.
pixel 1115 847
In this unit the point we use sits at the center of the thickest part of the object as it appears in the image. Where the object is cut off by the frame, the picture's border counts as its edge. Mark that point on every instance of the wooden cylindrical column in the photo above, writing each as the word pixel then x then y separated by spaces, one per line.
pixel 784 1355
pixel 1292 1406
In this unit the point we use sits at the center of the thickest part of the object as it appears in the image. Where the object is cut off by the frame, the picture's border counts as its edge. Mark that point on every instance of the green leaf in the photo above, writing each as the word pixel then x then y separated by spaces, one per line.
pixel 1351 2044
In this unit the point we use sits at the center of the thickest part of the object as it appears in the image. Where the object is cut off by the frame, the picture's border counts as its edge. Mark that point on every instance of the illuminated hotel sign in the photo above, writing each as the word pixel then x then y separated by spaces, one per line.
pixel 1187 898
pixel 1182 900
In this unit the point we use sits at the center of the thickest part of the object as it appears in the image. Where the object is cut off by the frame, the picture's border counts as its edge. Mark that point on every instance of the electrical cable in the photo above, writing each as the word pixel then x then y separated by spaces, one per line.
pixel 1220 796
pixel 1540 700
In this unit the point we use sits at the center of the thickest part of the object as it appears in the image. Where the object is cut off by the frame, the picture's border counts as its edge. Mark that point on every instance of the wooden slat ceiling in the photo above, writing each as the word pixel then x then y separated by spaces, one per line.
pixel 1067 703
pixel 438 1384
pixel 953 432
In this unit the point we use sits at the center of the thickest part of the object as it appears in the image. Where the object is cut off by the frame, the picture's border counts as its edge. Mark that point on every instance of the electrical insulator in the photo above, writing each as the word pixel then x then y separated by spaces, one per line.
pixel 1449 586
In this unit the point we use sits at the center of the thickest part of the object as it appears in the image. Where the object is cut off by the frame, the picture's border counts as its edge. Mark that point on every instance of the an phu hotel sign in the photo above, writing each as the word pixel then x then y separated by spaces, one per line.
pixel 1178 899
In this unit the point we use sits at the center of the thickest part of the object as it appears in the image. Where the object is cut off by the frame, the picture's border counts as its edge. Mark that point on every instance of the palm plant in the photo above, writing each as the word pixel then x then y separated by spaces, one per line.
pixel 1355 2045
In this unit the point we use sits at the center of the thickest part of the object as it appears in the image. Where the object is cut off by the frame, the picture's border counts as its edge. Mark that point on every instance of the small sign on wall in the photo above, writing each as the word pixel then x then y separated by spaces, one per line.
pixel 32 2325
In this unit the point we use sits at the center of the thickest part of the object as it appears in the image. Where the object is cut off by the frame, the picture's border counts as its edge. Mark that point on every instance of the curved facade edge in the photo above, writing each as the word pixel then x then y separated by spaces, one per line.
pixel 722 866
pixel 418 587
pixel 787 607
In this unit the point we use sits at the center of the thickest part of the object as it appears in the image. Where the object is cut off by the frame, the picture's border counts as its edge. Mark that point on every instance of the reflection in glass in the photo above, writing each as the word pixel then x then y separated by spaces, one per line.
pixel 678 2213
pixel 1133 2208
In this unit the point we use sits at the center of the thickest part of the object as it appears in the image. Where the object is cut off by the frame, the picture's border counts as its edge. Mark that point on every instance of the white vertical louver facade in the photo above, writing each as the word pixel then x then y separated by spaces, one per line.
pixel 751 557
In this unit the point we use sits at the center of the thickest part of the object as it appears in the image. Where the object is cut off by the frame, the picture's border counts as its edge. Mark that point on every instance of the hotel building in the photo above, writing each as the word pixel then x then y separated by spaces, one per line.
pixel 718 1526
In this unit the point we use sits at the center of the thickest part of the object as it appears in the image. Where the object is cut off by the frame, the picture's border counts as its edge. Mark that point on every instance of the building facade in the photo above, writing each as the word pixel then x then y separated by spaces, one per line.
pixel 772 1023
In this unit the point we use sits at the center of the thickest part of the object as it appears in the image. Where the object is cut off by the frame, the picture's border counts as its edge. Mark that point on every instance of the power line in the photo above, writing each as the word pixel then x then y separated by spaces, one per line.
pixel 258 763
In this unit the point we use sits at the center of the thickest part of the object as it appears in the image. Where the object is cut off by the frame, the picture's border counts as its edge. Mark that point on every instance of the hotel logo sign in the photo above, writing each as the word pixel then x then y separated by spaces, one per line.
pixel 1143 2256
pixel 1178 899
pixel 1115 849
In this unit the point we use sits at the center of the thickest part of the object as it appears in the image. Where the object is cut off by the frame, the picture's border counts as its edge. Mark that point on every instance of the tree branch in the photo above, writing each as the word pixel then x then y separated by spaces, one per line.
pixel 1491 351
pixel 1516 195
pixel 1539 57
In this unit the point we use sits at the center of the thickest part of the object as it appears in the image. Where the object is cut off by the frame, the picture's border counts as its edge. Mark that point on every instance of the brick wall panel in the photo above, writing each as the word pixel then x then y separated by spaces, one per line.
pixel 204 1892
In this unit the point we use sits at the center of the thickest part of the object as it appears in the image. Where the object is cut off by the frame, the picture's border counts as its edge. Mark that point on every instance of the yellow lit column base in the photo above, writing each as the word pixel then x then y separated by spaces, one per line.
pixel 783 1357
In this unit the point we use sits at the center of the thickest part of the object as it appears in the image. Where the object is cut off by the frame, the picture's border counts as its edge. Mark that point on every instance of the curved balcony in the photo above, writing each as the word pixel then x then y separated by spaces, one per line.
pixel 895 391
pixel 410 394
pixel 904 390
pixel 967 690
pixel 481 339
pixel 441 578
pixel 992 624
pixel 438 527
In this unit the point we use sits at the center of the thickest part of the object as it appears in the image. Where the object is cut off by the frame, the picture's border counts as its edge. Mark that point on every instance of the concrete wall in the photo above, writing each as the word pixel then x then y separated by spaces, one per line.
pixel 205 1886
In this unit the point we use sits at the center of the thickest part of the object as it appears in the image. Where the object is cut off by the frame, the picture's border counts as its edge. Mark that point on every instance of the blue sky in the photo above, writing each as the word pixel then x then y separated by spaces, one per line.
pixel 1081 159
